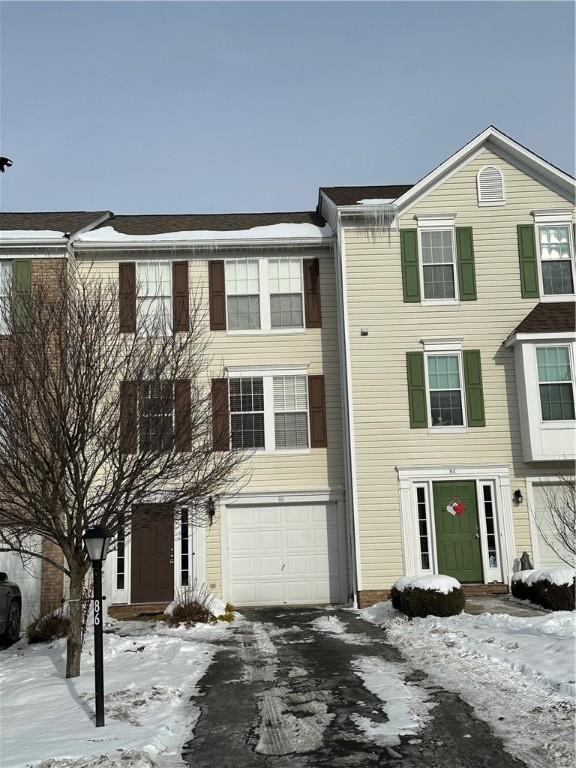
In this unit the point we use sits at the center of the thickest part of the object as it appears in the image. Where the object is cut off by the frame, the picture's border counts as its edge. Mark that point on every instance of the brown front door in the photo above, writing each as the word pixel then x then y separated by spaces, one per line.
pixel 152 571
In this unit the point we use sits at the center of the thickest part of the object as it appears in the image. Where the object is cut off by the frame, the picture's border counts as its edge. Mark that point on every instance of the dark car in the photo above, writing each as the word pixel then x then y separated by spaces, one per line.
pixel 10 610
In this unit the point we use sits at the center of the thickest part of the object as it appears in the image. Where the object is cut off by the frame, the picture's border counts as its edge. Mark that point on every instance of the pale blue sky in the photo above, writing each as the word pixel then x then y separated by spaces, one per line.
pixel 193 107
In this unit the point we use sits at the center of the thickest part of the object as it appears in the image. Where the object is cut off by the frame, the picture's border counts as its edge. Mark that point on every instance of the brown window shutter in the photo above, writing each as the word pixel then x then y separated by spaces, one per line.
pixel 317 410
pixel 217 290
pixel 180 296
pixel 220 419
pixel 312 293
pixel 128 416
pixel 182 416
pixel 127 296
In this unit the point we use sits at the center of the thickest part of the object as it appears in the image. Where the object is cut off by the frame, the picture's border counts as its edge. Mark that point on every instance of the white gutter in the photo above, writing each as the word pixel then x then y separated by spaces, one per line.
pixel 347 415
pixel 202 245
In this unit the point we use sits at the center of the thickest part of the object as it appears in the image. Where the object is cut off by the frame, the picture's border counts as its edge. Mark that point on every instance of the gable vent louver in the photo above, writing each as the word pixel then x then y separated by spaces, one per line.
pixel 490 184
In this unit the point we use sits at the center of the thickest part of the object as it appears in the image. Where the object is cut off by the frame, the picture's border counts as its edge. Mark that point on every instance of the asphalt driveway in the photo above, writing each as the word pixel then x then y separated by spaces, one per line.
pixel 282 693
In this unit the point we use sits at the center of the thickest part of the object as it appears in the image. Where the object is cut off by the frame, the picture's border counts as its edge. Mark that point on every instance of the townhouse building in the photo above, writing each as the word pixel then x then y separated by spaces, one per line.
pixel 400 361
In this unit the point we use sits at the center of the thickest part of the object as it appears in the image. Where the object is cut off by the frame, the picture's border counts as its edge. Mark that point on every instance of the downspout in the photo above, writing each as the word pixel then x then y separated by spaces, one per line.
pixel 347 415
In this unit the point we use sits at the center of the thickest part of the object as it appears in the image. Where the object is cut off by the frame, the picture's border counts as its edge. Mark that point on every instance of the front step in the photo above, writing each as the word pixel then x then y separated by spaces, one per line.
pixel 480 590
pixel 135 610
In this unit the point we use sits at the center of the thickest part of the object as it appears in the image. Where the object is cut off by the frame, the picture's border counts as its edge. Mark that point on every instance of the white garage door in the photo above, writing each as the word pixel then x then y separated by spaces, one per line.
pixel 286 555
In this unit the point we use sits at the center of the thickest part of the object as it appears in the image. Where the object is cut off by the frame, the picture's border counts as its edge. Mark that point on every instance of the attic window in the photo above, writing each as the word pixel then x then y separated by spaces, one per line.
pixel 490 184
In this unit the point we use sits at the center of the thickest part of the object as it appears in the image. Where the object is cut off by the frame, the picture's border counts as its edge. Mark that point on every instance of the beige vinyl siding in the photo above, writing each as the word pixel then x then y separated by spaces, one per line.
pixel 318 469
pixel 383 437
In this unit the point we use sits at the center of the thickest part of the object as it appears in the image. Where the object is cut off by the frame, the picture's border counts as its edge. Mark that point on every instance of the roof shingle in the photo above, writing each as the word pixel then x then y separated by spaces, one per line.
pixel 549 317
pixel 351 195
pixel 157 224
pixel 59 221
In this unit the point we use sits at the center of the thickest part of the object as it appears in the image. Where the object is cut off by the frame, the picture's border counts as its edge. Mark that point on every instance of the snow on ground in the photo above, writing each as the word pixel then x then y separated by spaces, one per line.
pixel 517 672
pixel 150 673
pixel 405 704
pixel 268 232
pixel 332 625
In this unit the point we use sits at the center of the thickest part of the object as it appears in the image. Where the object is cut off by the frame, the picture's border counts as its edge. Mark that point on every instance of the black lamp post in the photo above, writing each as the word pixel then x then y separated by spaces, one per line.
pixel 96 541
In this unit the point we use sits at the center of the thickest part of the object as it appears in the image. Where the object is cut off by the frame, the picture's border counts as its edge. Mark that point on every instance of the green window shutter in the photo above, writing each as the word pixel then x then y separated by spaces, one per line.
pixel 528 261
pixel 416 390
pixel 474 391
pixel 21 282
pixel 466 271
pixel 409 257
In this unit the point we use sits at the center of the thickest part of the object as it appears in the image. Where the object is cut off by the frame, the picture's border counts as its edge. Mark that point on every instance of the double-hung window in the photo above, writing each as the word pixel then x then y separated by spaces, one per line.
pixel 445 391
pixel 156 416
pixel 269 412
pixel 556 259
pixel 154 296
pixel 5 296
pixel 247 413
pixel 285 283
pixel 438 264
pixel 264 294
pixel 243 294
pixel 291 412
pixel 555 382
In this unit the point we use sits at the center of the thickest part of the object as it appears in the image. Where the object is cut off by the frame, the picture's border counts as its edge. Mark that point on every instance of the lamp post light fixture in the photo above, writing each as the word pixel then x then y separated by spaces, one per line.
pixel 96 541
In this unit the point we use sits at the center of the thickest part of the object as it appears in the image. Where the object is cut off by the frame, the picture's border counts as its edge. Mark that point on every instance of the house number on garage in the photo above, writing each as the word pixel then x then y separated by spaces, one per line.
pixel 280 499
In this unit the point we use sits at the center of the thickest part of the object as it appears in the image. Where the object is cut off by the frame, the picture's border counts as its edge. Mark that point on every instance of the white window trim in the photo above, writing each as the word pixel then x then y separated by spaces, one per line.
pixel 452 350
pixel 490 203
pixel 4 331
pixel 431 531
pixel 542 219
pixel 555 424
pixel 267 375
pixel 438 224
pixel 169 319
pixel 498 476
pixel 264 296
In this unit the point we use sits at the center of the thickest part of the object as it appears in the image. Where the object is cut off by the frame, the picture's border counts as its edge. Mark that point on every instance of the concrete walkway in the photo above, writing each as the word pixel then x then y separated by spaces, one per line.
pixel 280 693
pixel 502 604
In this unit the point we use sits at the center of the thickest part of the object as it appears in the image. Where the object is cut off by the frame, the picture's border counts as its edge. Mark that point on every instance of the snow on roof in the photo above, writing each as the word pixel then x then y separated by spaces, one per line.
pixel 269 232
pixel 376 201
pixel 30 234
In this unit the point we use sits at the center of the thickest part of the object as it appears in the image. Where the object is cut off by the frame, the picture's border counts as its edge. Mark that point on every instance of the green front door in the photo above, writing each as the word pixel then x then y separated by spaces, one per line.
pixel 457 531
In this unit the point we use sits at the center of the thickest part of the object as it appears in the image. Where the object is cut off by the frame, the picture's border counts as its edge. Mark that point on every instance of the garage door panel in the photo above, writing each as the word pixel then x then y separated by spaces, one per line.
pixel 294 553
pixel 269 540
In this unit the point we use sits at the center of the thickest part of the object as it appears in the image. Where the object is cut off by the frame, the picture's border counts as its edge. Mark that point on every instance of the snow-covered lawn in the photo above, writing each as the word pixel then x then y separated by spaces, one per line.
pixel 519 673
pixel 151 672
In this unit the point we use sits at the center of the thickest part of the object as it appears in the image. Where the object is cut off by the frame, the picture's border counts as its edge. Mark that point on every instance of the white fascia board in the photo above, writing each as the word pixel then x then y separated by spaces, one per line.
pixel 426 472
pixel 536 338
pixel 239 371
pixel 501 141
pixel 92 225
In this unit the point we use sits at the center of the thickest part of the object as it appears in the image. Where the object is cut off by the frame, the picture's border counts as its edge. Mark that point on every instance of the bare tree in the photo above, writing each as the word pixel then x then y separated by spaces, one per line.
pixel 86 426
pixel 557 522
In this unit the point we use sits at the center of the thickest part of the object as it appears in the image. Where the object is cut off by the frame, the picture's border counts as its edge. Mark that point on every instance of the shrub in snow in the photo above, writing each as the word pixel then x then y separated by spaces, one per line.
pixel 552 588
pixel 197 605
pixel 47 628
pixel 428 595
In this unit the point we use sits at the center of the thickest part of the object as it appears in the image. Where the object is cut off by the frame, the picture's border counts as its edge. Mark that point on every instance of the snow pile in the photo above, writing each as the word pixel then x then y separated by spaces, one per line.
pixel 435 583
pixel 269 232
pixel 330 624
pixel 405 704
pixel 559 575
pixel 517 672
pixel 30 234
pixel 150 672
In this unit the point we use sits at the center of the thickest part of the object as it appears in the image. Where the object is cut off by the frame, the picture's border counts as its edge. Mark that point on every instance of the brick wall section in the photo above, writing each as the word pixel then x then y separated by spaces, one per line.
pixel 368 597
pixel 51 579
